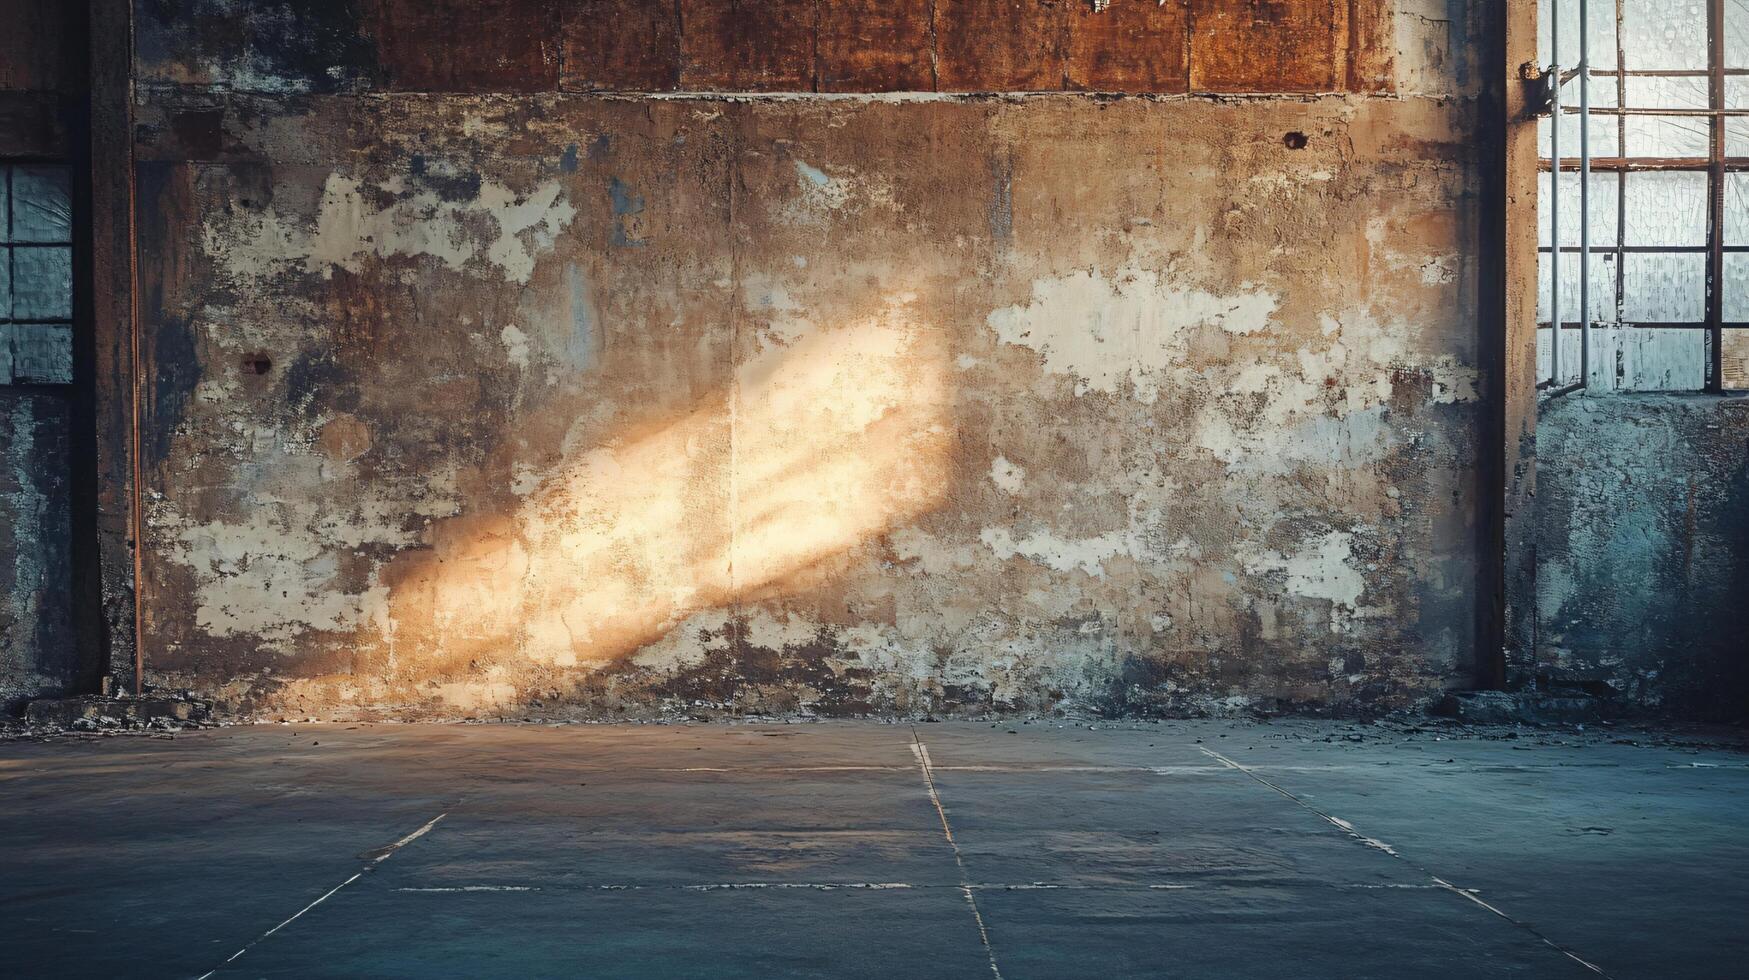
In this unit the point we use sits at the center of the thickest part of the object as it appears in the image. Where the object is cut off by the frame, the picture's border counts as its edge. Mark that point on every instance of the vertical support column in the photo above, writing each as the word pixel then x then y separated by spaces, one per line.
pixel 1584 195
pixel 1556 379
pixel 1511 661
pixel 114 312
pixel 1715 227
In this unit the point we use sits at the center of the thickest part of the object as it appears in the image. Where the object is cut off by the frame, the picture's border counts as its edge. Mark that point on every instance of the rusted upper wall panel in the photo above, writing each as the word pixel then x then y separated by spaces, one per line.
pixel 1268 45
pixel 1141 46
pixel 467 45
pixel 42 46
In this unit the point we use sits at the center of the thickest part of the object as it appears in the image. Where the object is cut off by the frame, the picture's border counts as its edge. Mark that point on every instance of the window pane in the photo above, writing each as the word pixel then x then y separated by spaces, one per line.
pixel 1737 127
pixel 41 208
pixel 1734 358
pixel 1736 298
pixel 1664 34
pixel 5 283
pixel 1737 33
pixel 1664 288
pixel 5 209
pixel 1602 287
pixel 42 283
pixel 1569 353
pixel 1737 209
pixel 1667 136
pixel 1602 29
pixel 1605 130
pixel 41 353
pixel 1666 208
pixel 1603 209
pixel 1684 92
pixel 1660 360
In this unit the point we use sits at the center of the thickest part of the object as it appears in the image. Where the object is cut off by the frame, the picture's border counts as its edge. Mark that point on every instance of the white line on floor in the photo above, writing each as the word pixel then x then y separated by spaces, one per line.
pixel 1015 886
pixel 475 888
pixel 384 855
pixel 921 751
pixel 1441 883
pixel 1177 770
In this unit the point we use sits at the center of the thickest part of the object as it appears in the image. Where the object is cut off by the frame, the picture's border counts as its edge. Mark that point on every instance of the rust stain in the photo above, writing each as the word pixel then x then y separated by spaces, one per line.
pixel 1268 45
pixel 876 46
pixel 749 45
pixel 419 44
pixel 1001 45
pixel 628 45
pixel 1128 46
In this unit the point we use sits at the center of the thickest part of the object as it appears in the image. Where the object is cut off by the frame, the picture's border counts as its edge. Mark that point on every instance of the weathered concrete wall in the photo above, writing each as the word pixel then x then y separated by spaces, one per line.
pixel 1643 548
pixel 41 78
pixel 37 655
pixel 608 404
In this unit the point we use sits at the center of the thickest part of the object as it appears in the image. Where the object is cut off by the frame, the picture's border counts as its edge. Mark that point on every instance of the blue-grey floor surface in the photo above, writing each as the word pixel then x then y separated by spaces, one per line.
pixel 1015 851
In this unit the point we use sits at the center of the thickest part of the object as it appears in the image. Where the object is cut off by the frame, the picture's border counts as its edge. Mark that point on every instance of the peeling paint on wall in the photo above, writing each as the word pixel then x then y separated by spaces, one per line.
pixel 613 405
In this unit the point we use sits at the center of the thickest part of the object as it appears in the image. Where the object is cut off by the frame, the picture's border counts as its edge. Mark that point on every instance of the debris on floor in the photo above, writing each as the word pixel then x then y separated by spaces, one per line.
pixel 154 712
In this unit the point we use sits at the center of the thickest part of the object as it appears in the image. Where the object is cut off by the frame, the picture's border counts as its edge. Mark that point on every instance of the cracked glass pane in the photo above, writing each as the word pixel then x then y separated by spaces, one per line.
pixel 1664 287
pixel 1737 33
pixel 1737 127
pixel 1683 92
pixel 1603 209
pixel 1737 209
pixel 1664 34
pixel 1666 208
pixel 1667 136
pixel 42 353
pixel 1601 27
pixel 1602 287
pixel 1605 130
pixel 1736 297
pixel 42 283
pixel 41 206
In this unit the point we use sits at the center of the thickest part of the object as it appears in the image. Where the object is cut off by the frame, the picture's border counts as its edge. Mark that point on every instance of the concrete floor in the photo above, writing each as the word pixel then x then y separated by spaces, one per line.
pixel 868 850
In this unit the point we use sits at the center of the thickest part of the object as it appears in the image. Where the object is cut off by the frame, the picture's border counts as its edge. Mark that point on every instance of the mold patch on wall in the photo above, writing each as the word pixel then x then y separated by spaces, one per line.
pixel 1642 538
pixel 37 656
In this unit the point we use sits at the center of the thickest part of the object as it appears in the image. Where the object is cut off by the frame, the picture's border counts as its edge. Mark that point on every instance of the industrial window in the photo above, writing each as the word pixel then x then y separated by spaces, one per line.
pixel 36 276
pixel 1652 195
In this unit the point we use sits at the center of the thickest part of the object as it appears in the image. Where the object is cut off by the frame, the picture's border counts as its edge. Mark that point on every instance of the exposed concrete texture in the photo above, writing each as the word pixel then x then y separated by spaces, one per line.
pixel 37 656
pixel 1643 548
pixel 834 407
pixel 1025 851
pixel 658 404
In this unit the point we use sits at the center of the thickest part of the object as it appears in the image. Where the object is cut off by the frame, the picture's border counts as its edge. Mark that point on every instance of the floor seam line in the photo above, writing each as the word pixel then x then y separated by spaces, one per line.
pixel 383 855
pixel 921 751
pixel 1378 845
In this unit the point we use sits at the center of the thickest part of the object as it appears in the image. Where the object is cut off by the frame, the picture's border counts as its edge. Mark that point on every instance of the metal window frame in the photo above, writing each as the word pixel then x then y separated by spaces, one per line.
pixel 8 169
pixel 1715 165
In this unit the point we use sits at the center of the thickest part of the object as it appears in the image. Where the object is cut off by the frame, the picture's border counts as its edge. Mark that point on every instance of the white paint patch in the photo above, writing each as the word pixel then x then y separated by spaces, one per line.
pixel 277 579
pixel 1008 477
pixel 515 345
pixel 1061 554
pixel 1121 332
pixel 500 228
pixel 1322 568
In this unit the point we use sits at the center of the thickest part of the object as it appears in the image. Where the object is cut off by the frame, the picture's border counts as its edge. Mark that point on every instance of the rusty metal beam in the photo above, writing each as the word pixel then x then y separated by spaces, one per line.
pixel 114 313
